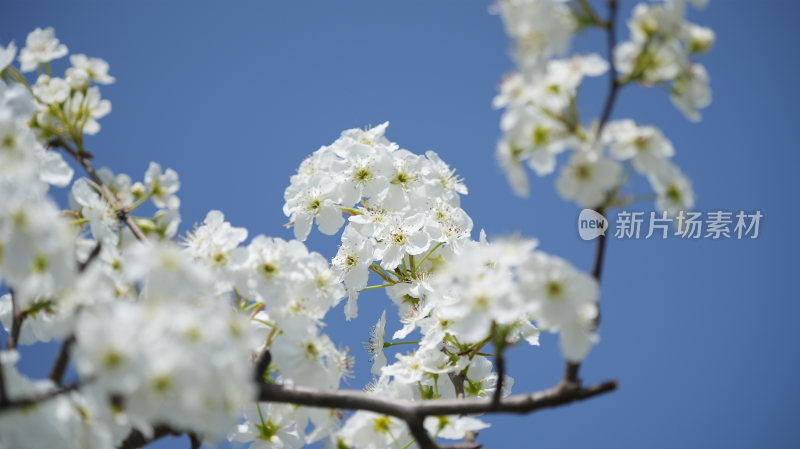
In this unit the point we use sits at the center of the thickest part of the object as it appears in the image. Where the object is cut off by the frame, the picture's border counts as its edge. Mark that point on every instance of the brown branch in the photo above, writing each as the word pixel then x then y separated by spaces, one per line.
pixel 18 316
pixel 194 441
pixel 458 384
pixel 572 369
pixel 262 363
pixel 17 403
pixel 60 365
pixel 614 83
pixel 3 392
pixel 421 435
pixel 410 410
pixel 136 439
pixel 571 379
pixel 501 373
pixel 82 266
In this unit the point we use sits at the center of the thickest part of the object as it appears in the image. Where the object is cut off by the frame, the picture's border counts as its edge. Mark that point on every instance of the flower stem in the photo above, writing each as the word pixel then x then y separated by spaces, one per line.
pixel 424 258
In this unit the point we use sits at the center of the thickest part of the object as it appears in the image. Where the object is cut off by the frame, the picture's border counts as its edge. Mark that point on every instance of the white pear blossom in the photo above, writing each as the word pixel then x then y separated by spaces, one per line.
pixel 453 427
pixel 674 191
pixel 351 264
pixel 161 186
pixel 41 47
pixel 587 178
pixel 375 345
pixel 368 430
pixel 646 146
pixel 84 109
pixel 269 426
pixel 216 243
pixel 95 69
pixel 555 290
pixel 51 90
pixel 401 237
pixel 691 91
pixel 578 336
pixel 539 30
pixel 7 55
pixel 314 201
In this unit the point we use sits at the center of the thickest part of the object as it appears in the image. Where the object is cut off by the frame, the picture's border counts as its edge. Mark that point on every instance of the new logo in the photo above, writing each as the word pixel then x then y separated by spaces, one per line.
pixel 591 224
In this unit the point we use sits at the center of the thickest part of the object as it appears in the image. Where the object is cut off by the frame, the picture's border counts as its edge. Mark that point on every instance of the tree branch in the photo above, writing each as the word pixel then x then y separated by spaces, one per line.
pixel 262 363
pixel 614 83
pixel 471 435
pixel 3 392
pixel 403 409
pixel 82 266
pixel 424 440
pixel 13 404
pixel 17 317
pixel 60 365
pixel 136 439
pixel 572 369
pixel 194 441
pixel 501 373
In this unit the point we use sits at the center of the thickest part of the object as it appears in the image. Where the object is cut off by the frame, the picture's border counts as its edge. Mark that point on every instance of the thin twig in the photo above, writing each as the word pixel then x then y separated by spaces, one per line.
pixel 501 374
pixel 62 361
pixel 3 392
pixel 92 256
pixel 262 363
pixel 18 316
pixel 614 84
pixel 458 384
pixel 17 403
pixel 571 372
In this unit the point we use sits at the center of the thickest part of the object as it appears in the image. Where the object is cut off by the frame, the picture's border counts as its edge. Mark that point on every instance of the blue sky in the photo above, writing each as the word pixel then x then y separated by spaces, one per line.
pixel 701 334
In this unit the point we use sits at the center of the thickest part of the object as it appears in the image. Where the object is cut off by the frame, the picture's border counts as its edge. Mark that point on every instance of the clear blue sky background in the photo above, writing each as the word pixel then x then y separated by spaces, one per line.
pixel 701 334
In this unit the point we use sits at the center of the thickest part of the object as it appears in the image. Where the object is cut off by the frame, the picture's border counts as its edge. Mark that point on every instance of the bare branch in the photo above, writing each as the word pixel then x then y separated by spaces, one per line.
pixel 136 439
pixel 3 392
pixel 501 374
pixel 60 365
pixel 571 375
pixel 471 435
pixel 262 363
pixel 571 371
pixel 92 256
pixel 357 400
pixel 424 440
pixel 18 316
pixel 13 404
pixel 194 441
pixel 458 384
pixel 611 39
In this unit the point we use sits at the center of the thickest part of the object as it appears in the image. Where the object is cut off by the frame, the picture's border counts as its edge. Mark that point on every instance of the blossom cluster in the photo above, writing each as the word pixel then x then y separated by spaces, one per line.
pixel 542 120
pixel 166 331
pixel 461 295
pixel 489 293
pixel 160 333
pixel 400 205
